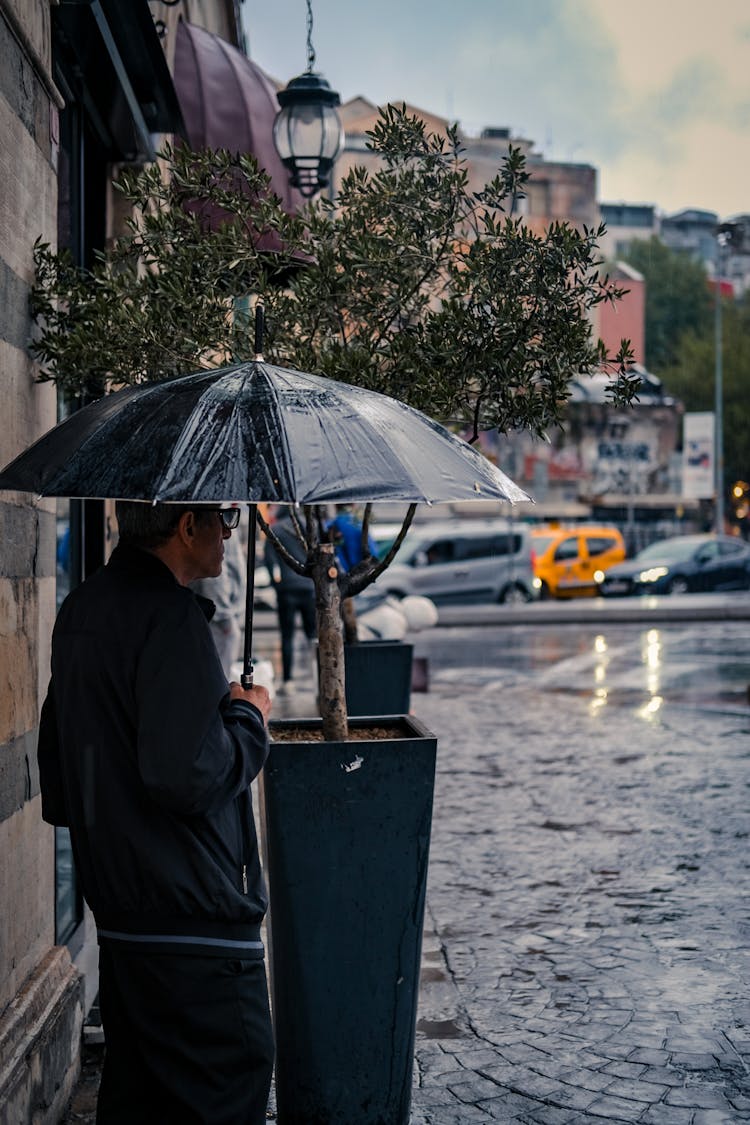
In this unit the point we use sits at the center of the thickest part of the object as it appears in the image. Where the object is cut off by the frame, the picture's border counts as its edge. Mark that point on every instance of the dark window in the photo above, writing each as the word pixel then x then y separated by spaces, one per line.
pixel 506 545
pixel 478 548
pixel 489 546
pixel 568 549
pixel 708 552
pixel 731 548
pixel 540 543
pixel 600 545
pixel 81 223
pixel 441 551
pixel 68 899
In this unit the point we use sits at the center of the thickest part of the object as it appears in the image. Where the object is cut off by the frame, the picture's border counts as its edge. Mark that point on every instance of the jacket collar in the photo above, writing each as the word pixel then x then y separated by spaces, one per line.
pixel 137 561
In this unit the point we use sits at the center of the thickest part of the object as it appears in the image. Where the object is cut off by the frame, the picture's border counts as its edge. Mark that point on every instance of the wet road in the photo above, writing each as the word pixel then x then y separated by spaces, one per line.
pixel 612 664
pixel 586 951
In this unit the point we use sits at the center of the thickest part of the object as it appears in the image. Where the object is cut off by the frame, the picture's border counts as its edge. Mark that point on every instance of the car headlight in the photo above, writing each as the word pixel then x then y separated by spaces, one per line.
pixel 653 575
pixel 598 576
pixel 536 583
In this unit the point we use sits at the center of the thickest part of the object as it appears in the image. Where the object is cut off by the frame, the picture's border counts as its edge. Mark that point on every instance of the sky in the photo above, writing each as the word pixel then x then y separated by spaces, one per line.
pixel 654 93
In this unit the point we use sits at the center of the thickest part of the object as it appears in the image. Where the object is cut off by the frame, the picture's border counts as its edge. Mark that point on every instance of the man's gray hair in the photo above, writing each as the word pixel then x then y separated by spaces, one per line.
pixel 145 525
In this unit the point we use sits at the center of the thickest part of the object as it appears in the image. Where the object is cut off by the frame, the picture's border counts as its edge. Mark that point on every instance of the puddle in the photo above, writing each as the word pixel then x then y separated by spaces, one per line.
pixel 440 1029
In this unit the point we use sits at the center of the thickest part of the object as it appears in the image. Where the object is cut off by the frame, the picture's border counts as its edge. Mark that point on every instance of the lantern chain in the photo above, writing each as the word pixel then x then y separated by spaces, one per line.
pixel 310 48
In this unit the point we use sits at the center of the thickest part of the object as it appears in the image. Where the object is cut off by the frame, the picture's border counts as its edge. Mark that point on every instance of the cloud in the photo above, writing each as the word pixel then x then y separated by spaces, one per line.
pixel 643 90
pixel 692 92
pixel 547 71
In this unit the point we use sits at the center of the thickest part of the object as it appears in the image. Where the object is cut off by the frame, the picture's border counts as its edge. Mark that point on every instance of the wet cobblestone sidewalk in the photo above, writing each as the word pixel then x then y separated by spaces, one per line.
pixel 586 948
pixel 588 909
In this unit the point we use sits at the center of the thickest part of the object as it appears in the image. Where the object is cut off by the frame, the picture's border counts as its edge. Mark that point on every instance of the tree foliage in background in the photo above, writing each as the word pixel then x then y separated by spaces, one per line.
pixel 678 299
pixel 408 284
pixel 680 343
pixel 691 379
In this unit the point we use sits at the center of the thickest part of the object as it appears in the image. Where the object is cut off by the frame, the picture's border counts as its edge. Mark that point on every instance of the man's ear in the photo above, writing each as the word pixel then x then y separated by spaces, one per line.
pixel 186 527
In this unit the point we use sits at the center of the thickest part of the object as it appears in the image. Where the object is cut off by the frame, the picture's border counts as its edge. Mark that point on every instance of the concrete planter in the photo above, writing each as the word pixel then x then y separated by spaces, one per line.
pixel 347 832
pixel 378 677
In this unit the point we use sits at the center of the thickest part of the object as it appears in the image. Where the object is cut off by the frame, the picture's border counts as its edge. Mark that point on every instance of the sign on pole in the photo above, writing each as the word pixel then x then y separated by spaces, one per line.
pixel 698 456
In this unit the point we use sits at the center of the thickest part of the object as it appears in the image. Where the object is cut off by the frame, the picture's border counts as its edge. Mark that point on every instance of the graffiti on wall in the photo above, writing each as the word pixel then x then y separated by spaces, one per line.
pixel 622 466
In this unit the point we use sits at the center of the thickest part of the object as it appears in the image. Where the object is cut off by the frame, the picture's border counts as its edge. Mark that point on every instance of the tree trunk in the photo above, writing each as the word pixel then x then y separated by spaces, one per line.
pixel 331 688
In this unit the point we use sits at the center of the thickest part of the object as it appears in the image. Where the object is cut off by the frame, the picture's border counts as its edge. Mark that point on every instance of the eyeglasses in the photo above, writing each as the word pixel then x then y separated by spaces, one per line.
pixel 230 517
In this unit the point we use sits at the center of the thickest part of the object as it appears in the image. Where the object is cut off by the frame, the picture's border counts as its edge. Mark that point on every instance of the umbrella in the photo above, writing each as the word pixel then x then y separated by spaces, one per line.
pixel 254 433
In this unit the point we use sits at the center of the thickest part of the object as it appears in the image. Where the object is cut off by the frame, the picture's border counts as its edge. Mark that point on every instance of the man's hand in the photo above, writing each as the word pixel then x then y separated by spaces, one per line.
pixel 257 695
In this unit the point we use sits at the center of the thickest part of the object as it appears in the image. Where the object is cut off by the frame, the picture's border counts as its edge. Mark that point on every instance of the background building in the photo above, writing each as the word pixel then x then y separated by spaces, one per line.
pixel 626 222
pixel 690 231
pixel 556 190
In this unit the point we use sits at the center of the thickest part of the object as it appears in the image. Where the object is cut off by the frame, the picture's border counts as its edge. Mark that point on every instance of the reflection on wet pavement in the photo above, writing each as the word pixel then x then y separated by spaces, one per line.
pixel 646 669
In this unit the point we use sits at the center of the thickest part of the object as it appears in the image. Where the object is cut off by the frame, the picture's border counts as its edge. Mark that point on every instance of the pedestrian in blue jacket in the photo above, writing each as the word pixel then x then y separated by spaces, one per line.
pixel 346 532
pixel 147 754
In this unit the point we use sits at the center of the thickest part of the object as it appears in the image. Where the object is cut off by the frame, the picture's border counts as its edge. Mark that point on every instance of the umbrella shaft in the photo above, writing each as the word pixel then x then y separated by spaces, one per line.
pixel 247 663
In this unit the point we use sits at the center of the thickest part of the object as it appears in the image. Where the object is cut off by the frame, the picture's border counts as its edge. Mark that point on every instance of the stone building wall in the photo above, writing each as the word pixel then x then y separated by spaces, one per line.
pixel 40 994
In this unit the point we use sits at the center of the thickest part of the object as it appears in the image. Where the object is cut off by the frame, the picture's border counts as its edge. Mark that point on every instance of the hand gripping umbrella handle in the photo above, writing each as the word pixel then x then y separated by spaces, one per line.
pixel 246 678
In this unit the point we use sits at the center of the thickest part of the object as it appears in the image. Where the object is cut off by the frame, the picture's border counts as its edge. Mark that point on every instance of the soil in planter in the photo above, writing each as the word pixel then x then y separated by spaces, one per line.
pixel 356 734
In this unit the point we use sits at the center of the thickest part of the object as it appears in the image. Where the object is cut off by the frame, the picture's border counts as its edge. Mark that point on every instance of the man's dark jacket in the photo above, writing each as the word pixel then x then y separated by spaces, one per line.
pixel 143 755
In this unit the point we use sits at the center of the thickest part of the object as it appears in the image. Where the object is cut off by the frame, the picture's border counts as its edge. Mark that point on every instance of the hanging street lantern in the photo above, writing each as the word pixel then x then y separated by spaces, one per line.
pixel 307 131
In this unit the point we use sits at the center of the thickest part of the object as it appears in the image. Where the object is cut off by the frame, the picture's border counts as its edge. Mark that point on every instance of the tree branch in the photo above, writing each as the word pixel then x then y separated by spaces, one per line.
pixel 303 568
pixel 364 573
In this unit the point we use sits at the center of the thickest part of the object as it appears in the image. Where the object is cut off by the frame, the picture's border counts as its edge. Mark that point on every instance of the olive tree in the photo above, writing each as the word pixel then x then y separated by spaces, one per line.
pixel 407 283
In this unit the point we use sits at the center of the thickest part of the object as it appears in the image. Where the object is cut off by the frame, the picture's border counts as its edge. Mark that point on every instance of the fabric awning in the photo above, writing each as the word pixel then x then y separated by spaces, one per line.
pixel 228 102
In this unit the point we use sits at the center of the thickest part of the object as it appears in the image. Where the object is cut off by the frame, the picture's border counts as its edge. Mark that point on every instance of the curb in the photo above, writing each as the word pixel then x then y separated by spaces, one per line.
pixel 686 607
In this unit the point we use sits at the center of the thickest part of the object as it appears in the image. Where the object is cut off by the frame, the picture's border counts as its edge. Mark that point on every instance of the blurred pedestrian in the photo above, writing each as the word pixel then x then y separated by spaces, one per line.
pixel 227 592
pixel 295 594
pixel 147 754
pixel 346 531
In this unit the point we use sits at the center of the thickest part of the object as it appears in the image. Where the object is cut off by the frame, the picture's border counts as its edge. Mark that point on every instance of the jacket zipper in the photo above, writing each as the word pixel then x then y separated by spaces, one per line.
pixel 242 812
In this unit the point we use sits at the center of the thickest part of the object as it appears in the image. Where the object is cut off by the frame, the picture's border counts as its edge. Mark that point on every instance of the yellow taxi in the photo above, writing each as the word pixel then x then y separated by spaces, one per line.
pixel 569 562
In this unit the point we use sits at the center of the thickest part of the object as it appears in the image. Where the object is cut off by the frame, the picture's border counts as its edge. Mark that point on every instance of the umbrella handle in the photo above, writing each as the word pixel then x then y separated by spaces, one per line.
pixel 246 678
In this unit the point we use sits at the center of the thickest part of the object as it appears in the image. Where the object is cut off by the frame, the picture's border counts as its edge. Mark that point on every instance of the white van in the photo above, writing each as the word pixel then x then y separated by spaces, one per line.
pixel 464 560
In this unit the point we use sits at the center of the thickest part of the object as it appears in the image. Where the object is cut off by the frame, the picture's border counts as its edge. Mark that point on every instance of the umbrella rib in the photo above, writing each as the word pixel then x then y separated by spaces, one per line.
pixel 263 368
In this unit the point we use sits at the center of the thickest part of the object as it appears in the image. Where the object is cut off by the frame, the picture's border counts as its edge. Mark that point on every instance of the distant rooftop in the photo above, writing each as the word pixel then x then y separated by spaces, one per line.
pixel 692 215
pixel 593 388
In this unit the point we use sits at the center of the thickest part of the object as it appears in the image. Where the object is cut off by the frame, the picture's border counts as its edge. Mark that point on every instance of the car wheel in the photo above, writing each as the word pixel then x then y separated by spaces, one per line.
pixel 678 585
pixel 515 595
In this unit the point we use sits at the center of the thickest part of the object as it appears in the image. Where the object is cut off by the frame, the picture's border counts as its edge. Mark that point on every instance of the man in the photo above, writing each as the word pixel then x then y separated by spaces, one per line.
pixel 147 754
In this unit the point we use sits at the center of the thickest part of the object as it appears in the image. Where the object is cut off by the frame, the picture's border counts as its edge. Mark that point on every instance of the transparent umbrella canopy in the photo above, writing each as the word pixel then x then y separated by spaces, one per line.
pixel 254 433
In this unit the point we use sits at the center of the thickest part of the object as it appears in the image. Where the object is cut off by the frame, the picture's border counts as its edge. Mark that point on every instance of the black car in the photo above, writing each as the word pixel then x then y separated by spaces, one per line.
pixel 687 563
